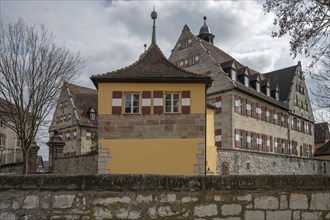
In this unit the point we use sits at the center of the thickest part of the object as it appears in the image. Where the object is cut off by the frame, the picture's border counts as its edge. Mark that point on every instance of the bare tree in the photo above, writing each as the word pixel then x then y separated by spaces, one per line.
pixel 32 72
pixel 308 24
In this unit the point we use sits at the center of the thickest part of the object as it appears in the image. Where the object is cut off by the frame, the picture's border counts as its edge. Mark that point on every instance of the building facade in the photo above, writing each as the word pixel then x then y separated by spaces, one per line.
pixel 258 115
pixel 153 118
pixel 10 145
pixel 75 119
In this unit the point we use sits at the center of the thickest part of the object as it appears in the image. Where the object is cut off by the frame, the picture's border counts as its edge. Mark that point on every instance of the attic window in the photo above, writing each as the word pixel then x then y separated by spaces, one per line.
pixel 233 74
pixel 246 81
pixel 258 86
pixel 268 91
pixel 92 116
pixel 277 96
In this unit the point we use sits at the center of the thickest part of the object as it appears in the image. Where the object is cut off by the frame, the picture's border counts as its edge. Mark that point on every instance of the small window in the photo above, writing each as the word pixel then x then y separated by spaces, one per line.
pixel 92 116
pixel 193 61
pixel 241 106
pixel 18 143
pixel 132 103
pixel 185 44
pixel 258 86
pixel 241 139
pixel 246 81
pixel 2 141
pixel 277 96
pixel 172 103
pixel 268 91
pixel 233 75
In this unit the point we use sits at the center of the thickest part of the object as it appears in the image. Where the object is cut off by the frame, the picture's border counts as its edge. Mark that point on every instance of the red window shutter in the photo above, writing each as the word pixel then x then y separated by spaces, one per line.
pixel 218 138
pixel 146 102
pixel 237 138
pixel 248 107
pixel 158 102
pixel 259 141
pixel 237 103
pixel 258 111
pixel 268 143
pixel 116 102
pixel 267 114
pixel 218 104
pixel 248 139
pixel 185 102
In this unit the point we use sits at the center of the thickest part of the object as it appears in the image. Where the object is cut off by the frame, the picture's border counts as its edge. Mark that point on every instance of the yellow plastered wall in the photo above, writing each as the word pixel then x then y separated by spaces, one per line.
pixel 197 93
pixel 211 150
pixel 153 156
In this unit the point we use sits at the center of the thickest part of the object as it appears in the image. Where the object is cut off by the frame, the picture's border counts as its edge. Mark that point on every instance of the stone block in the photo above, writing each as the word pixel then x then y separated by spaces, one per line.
pixel 31 202
pixel 296 215
pixel 7 216
pixel 283 202
pixel 254 215
pixel 274 215
pixel 298 201
pixel 152 212
pixel 247 198
pixel 165 211
pixel 142 198
pixel 311 215
pixel 189 199
pixel 206 210
pixel 266 202
pixel 63 201
pixel 232 209
pixel 320 201
pixel 102 213
pixel 167 198
pixel 217 198
pixel 111 200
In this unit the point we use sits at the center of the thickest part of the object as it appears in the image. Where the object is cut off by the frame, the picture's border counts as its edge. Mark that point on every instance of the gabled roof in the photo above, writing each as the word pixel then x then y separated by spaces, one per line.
pixel 153 66
pixel 283 77
pixel 321 132
pixel 83 99
pixel 324 150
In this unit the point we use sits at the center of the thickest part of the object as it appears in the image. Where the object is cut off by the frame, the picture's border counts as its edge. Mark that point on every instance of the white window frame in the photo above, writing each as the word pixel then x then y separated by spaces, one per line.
pixel 246 81
pixel 258 86
pixel 233 75
pixel 277 96
pixel 131 101
pixel 172 102
pixel 268 91
pixel 92 116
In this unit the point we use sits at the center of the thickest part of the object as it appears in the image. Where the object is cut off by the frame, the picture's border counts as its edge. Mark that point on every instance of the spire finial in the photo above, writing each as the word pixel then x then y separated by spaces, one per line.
pixel 204 20
pixel 154 17
pixel 145 47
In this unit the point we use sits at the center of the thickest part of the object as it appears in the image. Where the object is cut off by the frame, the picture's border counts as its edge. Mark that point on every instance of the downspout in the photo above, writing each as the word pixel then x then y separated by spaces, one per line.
pixel 205 135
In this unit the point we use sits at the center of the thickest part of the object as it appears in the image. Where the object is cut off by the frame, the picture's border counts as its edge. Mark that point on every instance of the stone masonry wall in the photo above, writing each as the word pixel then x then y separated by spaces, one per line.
pixel 240 162
pixel 164 197
pixel 152 126
pixel 82 164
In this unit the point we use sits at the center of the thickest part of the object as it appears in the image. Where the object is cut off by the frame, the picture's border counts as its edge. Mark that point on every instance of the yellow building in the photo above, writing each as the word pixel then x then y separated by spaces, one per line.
pixel 153 118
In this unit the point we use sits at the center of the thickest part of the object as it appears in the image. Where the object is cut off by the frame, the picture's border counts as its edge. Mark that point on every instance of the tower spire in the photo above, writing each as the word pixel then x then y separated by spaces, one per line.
pixel 154 17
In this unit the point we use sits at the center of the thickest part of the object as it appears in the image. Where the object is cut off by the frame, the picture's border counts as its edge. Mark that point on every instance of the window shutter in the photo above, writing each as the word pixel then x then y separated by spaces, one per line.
pixel 74 132
pixel 185 102
pixel 116 102
pixel 218 104
pixel 146 102
pixel 158 102
pixel 248 139
pixel 218 140
pixel 268 143
pixel 275 145
pixel 248 107
pixel 88 134
pixel 267 114
pixel 237 103
pixel 259 140
pixel 237 138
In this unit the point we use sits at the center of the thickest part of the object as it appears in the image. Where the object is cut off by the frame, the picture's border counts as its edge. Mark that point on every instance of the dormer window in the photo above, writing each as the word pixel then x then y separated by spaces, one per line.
pixel 246 81
pixel 233 74
pixel 277 96
pixel 258 86
pixel 268 91
pixel 92 116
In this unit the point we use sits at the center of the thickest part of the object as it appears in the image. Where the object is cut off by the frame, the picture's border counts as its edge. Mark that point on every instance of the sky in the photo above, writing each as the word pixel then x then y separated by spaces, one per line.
pixel 111 34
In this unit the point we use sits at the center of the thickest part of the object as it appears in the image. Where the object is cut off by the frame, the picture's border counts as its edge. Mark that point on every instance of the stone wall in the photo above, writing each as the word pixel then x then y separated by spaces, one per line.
pixel 12 168
pixel 82 164
pixel 240 162
pixel 152 126
pixel 164 197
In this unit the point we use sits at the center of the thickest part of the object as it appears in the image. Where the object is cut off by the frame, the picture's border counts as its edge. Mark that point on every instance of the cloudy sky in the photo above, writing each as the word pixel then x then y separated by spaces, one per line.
pixel 111 34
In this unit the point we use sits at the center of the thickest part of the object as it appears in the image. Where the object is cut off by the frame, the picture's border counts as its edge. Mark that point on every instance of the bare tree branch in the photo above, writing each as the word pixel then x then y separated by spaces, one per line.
pixel 32 71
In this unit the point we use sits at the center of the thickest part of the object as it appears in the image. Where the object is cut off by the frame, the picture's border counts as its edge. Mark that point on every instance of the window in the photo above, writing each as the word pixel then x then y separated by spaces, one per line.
pixel 268 91
pixel 258 86
pixel 246 81
pixel 253 112
pixel 18 143
pixel 241 106
pixel 172 103
pixel 277 96
pixel 132 103
pixel 233 75
pixel 193 61
pixel 185 44
pixel 253 141
pixel 241 139
pixel 2 141
pixel 92 116
pixel 1 124
pixel 264 142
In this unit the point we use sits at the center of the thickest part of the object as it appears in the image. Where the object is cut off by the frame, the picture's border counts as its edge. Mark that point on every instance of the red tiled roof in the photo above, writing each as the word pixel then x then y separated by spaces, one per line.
pixel 153 66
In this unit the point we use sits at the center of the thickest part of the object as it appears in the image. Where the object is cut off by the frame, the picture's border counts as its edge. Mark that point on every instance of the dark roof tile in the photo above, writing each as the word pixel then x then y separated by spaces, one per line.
pixel 321 132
